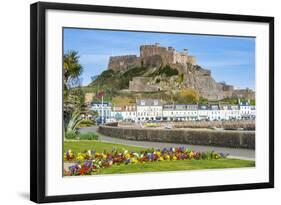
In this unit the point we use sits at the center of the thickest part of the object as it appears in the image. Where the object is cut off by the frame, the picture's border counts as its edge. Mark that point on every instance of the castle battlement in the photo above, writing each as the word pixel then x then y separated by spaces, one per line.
pixel 152 55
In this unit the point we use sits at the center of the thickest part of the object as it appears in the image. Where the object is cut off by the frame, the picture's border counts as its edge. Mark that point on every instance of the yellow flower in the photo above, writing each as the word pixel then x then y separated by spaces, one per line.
pixel 191 154
pixel 174 158
pixel 161 158
pixel 80 157
pixel 158 154
pixel 104 156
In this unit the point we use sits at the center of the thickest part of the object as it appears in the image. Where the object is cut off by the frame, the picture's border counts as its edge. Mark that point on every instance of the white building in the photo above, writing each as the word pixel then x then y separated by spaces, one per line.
pixel 149 109
pixel 124 112
pixel 152 109
pixel 214 112
pixel 247 111
pixel 203 112
pixel 103 110
pixel 229 112
pixel 180 112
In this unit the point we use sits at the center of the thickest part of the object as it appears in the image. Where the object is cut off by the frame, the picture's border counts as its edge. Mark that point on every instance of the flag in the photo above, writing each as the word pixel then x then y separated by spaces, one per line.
pixel 100 94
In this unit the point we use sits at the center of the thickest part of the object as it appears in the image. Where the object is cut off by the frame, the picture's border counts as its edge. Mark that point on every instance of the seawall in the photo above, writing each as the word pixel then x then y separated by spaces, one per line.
pixel 207 137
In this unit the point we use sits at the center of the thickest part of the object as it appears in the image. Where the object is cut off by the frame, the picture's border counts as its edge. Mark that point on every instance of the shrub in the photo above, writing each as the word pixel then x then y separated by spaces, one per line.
pixel 85 123
pixel 168 71
pixel 88 136
pixel 107 74
pixel 187 96
pixel 180 78
pixel 70 135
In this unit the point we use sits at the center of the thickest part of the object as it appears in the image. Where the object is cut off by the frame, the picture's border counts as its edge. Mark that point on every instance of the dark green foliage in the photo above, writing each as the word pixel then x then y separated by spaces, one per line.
pixel 181 78
pixel 72 69
pixel 88 136
pixel 253 102
pixel 70 135
pixel 128 76
pixel 107 74
pixel 167 70
pixel 111 81
pixel 86 123
pixel 203 101
pixel 232 101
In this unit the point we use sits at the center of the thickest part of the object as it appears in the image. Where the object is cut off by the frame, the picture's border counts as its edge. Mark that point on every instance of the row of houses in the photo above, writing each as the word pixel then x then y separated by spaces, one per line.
pixel 154 109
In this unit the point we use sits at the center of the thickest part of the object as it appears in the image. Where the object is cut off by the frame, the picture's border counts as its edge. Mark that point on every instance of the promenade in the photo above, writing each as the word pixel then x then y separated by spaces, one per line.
pixel 247 154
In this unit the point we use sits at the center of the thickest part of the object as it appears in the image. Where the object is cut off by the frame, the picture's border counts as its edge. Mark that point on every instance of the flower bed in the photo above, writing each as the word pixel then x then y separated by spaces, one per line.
pixel 89 162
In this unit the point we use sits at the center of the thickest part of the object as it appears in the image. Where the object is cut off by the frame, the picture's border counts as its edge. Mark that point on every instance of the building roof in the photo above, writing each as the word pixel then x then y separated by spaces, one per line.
pixel 214 107
pixel 149 102
pixel 244 103
pixel 229 107
pixel 180 107
pixel 123 108
pixel 100 103
pixel 203 107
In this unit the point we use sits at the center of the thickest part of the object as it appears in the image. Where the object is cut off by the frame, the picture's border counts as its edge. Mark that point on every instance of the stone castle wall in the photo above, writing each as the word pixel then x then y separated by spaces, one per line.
pixel 119 63
pixel 169 55
pixel 152 56
pixel 244 93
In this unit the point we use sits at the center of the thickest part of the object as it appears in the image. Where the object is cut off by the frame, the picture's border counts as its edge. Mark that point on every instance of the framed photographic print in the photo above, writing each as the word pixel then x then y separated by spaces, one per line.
pixel 129 102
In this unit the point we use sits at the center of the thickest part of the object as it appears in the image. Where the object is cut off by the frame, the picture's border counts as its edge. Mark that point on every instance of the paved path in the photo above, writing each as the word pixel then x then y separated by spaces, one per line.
pixel 233 153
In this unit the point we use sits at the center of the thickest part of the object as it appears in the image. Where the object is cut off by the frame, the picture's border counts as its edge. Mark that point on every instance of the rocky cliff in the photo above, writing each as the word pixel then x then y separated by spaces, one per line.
pixel 164 69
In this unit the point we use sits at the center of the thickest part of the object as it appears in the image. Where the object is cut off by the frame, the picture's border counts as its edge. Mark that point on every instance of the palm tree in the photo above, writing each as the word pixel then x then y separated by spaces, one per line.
pixel 72 67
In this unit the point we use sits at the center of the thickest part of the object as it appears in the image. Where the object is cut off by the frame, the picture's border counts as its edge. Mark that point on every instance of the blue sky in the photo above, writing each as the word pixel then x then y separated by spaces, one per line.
pixel 230 59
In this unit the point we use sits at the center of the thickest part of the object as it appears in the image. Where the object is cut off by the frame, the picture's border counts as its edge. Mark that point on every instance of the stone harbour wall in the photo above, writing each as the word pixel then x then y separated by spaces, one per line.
pixel 221 138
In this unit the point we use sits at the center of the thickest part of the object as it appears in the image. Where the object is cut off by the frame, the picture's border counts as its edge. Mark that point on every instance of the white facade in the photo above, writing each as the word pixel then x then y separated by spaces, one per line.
pixel 103 110
pixel 247 110
pixel 149 109
pixel 203 112
pixel 152 109
pixel 230 112
pixel 127 112
pixel 180 112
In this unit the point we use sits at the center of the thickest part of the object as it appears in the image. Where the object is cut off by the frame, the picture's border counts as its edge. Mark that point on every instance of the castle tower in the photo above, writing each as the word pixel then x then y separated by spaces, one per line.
pixel 185 51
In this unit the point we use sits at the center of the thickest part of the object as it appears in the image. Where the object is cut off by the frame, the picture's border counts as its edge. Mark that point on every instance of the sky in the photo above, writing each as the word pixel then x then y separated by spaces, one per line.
pixel 230 59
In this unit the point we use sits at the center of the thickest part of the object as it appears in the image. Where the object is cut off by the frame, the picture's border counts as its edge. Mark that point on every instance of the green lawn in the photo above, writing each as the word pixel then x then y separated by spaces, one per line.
pixel 177 166
pixel 84 145
pixel 81 146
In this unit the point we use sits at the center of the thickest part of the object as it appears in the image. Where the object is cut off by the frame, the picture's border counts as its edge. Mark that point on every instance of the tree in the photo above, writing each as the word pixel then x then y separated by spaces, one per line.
pixel 187 96
pixel 72 68
pixel 75 108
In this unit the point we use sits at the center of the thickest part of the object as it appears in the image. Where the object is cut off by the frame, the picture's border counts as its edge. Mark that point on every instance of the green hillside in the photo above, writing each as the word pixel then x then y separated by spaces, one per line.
pixel 115 82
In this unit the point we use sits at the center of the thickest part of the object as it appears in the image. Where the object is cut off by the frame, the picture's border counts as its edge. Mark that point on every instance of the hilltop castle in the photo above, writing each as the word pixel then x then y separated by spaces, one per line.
pixel 152 56
pixel 194 76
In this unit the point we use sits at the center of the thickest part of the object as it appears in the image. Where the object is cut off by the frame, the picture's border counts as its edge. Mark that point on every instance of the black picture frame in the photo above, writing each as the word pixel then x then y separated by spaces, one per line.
pixel 38 100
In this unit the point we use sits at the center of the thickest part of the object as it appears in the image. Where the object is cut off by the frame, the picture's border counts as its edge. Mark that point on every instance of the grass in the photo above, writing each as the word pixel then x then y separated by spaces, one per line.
pixel 81 146
pixel 177 166
pixel 84 145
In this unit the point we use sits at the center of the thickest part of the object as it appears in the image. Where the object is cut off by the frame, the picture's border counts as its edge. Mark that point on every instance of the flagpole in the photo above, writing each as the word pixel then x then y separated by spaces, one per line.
pixel 102 109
